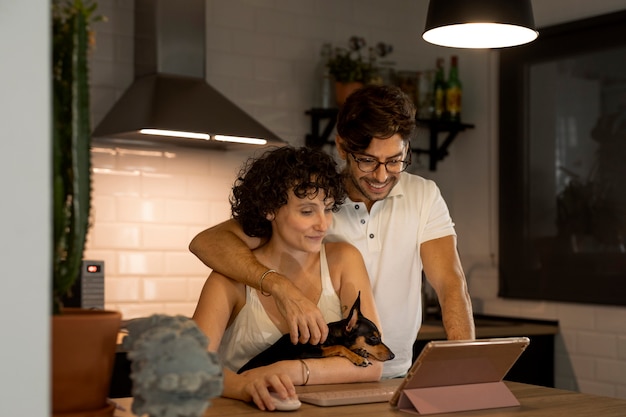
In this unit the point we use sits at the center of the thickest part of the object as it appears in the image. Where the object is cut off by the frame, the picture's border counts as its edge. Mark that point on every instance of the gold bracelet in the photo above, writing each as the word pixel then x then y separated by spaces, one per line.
pixel 269 271
pixel 306 372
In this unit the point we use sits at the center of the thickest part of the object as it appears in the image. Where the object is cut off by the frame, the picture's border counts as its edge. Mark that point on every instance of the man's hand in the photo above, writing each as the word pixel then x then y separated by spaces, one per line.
pixel 305 321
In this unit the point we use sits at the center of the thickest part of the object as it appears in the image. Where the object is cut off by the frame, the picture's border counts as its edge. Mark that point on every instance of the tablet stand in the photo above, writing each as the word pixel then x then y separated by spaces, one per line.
pixel 451 398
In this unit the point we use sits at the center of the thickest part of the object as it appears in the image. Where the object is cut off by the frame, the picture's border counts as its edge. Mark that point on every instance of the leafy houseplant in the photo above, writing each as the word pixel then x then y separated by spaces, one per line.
pixel 348 65
pixel 351 70
pixel 83 341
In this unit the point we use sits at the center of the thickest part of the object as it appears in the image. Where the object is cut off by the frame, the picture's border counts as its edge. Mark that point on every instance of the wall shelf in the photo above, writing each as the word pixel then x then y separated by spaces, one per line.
pixel 319 135
pixel 438 151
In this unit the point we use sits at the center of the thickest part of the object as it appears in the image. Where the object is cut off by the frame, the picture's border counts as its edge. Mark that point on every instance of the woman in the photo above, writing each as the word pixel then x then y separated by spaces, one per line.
pixel 286 198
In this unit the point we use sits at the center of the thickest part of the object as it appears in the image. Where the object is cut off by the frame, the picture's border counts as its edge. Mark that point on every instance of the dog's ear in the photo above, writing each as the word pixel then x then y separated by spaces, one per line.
pixel 355 312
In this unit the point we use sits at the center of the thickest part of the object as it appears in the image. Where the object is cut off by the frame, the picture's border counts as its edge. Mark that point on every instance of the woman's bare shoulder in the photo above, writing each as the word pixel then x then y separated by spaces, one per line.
pixel 340 247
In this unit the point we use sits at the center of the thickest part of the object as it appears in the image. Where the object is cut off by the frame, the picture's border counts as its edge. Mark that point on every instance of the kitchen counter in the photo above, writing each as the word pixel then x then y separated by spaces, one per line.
pixel 492 326
pixel 534 401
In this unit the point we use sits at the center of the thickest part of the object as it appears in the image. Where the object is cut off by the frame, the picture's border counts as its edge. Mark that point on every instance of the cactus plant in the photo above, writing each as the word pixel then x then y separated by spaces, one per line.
pixel 71 142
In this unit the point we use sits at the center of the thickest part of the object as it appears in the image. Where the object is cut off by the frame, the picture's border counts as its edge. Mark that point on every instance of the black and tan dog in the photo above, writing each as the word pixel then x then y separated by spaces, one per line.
pixel 354 337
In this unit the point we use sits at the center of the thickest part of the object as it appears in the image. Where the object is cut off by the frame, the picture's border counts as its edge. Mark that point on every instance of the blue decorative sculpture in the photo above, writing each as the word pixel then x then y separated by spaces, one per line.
pixel 173 374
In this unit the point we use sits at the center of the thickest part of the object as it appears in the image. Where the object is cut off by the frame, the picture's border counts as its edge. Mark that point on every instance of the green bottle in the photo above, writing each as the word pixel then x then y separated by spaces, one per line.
pixel 454 91
pixel 439 91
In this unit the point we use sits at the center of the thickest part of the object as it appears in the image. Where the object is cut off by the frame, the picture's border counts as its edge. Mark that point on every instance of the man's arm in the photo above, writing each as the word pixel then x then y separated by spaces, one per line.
pixel 444 272
pixel 225 248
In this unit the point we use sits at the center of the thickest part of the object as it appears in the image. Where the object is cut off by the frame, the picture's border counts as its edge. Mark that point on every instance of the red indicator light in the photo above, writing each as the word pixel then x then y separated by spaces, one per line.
pixel 93 268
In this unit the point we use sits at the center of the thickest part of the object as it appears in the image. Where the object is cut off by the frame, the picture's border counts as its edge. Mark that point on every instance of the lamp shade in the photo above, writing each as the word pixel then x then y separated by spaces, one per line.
pixel 479 23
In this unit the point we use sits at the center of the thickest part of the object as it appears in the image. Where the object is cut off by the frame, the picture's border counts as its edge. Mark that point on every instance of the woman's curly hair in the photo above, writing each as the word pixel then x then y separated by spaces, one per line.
pixel 264 183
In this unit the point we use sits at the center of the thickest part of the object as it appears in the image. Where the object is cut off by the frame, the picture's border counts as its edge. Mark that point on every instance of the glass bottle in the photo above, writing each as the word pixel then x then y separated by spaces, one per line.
pixel 324 84
pixel 439 91
pixel 454 91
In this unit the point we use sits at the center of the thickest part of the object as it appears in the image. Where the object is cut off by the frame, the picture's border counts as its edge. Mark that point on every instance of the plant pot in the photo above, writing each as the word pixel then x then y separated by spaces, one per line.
pixel 83 354
pixel 343 90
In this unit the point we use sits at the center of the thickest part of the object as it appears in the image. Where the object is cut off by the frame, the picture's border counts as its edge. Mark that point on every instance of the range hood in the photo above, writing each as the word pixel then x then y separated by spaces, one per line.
pixel 169 101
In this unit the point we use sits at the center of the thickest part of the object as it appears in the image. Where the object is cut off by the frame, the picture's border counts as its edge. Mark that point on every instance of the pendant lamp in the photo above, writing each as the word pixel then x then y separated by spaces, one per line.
pixel 479 23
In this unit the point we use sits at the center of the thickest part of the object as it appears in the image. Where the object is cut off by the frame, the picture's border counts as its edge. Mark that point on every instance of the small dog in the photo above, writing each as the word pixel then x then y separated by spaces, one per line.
pixel 355 338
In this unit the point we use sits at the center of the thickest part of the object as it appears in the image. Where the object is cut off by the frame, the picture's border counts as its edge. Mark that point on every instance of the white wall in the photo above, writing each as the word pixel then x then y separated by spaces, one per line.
pixel 25 144
pixel 262 56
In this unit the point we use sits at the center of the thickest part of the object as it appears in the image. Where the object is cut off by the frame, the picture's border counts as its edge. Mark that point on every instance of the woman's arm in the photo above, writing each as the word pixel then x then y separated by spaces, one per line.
pixel 220 301
pixel 225 248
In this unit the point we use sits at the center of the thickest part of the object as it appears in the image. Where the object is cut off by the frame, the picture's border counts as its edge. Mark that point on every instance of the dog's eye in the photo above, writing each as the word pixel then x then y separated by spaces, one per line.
pixel 373 340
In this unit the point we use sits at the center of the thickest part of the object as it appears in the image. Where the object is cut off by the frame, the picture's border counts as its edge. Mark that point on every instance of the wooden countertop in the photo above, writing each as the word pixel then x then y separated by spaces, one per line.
pixel 535 401
pixel 493 326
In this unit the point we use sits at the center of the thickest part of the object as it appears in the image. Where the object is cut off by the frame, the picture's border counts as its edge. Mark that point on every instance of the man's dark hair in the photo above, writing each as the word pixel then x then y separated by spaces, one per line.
pixel 263 185
pixel 374 112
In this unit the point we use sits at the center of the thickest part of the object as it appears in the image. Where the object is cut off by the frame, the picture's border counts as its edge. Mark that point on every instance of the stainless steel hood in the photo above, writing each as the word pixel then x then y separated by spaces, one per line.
pixel 169 92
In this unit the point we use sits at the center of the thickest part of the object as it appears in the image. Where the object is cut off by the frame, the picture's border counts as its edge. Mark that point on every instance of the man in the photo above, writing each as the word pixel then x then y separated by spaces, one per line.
pixel 398 221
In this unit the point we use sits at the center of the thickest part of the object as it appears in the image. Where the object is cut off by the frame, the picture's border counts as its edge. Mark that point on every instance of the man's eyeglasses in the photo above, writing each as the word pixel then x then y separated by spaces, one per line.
pixel 393 166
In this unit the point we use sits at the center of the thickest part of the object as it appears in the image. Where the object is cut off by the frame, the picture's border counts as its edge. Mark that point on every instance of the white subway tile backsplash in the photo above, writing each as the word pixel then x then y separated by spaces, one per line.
pixel 183 309
pixel 297 7
pixel 141 263
pixel 187 212
pixel 566 343
pixel 290 48
pixel 232 14
pixel 263 93
pixel 183 162
pixel 277 22
pixel 577 316
pixel 196 284
pixel 140 210
pixel 253 44
pixel 137 310
pixel 232 65
pixel 207 188
pixel 218 40
pixel 115 235
pixel 125 289
pixel 621 347
pixel 163 185
pixel 596 388
pixel 220 211
pixel 611 320
pixel 141 164
pixel 165 237
pixel 596 344
pixel 583 366
pixel 165 289
pixel 184 264
pixel 104 209
pixel 116 183
pixel 226 165
pixel 611 371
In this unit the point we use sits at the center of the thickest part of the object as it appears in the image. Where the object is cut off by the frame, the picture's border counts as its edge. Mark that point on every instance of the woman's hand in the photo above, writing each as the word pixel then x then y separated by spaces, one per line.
pixel 257 384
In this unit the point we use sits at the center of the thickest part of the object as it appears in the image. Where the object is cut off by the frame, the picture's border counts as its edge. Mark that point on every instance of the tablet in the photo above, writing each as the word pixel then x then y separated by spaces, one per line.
pixel 452 375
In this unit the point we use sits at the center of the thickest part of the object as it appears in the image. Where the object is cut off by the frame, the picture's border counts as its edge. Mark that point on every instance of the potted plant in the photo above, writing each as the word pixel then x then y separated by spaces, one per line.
pixel 83 341
pixel 349 69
